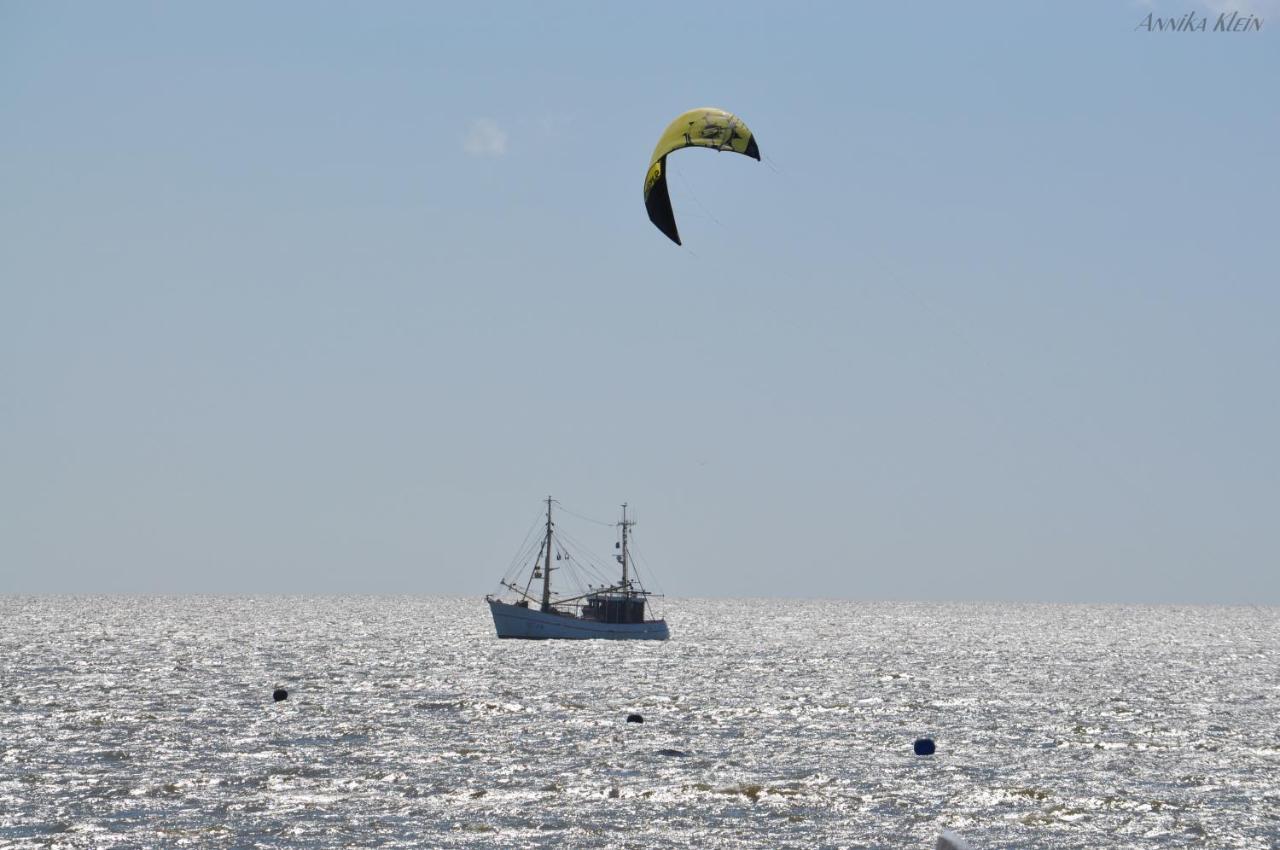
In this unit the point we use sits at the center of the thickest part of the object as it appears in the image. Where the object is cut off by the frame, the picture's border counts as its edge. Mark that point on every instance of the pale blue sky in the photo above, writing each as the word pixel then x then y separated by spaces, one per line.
pixel 325 297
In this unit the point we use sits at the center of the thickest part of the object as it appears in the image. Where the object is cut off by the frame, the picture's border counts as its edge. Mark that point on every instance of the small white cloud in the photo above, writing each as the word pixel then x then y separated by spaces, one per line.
pixel 485 138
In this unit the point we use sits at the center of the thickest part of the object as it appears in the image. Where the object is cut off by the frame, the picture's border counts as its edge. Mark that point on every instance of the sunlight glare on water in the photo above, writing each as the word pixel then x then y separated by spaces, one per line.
pixel 148 721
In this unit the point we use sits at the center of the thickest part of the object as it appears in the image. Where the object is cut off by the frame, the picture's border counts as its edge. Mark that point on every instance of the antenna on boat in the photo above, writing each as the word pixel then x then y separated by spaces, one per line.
pixel 546 569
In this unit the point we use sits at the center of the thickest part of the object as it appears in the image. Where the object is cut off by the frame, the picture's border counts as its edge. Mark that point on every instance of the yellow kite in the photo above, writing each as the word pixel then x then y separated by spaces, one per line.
pixel 697 128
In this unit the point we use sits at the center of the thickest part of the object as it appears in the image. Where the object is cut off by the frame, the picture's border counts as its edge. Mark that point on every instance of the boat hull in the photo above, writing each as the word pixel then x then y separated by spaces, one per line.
pixel 514 621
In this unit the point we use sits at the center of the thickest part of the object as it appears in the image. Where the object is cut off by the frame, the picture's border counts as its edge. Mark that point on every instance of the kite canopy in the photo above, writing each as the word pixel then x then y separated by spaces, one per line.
pixel 697 128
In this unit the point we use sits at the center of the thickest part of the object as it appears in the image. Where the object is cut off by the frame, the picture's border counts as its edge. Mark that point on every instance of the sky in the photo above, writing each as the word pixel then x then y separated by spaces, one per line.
pixel 326 298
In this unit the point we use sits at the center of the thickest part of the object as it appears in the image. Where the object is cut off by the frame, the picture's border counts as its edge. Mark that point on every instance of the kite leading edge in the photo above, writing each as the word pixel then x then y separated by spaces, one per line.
pixel 697 128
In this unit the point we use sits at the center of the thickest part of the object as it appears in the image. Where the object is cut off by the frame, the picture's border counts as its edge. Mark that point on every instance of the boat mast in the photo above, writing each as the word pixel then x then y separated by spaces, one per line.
pixel 546 569
pixel 625 525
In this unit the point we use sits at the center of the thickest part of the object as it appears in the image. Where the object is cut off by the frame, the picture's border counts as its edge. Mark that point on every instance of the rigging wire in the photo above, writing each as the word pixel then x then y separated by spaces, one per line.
pixel 520 552
pixel 635 557
pixel 529 550
pixel 587 518
pixel 586 560
pixel 581 565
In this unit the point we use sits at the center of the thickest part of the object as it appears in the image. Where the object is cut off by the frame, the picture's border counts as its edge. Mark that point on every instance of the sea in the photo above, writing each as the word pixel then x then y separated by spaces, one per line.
pixel 149 721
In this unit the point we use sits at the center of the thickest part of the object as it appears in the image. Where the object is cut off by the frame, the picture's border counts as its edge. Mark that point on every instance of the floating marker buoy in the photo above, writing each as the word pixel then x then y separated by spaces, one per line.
pixel 279 694
pixel 673 753
pixel 634 718
pixel 923 746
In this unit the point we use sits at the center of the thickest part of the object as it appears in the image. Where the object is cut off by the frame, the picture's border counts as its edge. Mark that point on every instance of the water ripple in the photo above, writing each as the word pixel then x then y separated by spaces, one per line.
pixel 148 721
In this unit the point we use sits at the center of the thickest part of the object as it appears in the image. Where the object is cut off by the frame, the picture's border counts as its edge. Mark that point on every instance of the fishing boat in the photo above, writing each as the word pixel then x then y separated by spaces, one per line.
pixel 612 610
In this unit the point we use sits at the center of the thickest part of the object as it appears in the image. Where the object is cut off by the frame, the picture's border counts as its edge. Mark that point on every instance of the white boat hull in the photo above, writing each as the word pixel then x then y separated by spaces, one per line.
pixel 515 621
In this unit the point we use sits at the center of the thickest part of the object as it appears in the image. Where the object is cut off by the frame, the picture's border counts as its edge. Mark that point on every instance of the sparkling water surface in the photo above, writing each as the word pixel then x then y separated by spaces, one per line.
pixel 149 722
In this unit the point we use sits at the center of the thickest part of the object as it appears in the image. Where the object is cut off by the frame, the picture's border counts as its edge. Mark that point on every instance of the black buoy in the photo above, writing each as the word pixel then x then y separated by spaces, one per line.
pixel 634 718
pixel 923 746
pixel 279 694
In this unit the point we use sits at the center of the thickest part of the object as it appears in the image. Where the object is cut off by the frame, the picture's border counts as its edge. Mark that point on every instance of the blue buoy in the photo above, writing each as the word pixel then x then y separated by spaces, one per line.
pixel 279 694
pixel 923 746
